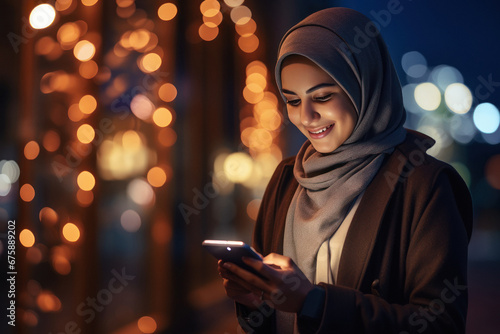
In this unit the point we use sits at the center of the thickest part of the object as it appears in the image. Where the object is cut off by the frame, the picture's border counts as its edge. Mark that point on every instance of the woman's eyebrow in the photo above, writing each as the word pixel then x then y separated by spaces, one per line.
pixel 310 90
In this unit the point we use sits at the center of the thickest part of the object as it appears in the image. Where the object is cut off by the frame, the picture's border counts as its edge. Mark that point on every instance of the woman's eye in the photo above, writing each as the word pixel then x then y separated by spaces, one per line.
pixel 324 97
pixel 293 102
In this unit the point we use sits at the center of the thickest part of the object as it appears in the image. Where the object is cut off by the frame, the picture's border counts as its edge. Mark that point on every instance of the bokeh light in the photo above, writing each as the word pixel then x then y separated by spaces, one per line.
pixel 150 62
pixel 48 216
pixel 414 64
pixel 71 232
pixel 157 177
pixel 147 325
pixel 253 208
pixel 167 92
pixel 213 21
pixel 84 50
pixel 140 192
pixel 27 192
pixel 85 133
pixel 42 16
pixel 167 11
pixel 142 107
pixel 167 137
pixel 246 29
pixel 31 150
pixel 130 221
pixel 88 69
pixel 89 3
pixel 492 171
pixel 234 3
pixel 84 198
pixel 444 75
pixel 48 302
pixel 5 185
pixel 427 96
pixel 86 181
pixel 210 8
pixel 208 33
pixel 238 167
pixel 162 117
pixel 51 141
pixel 87 104
pixel 10 169
pixel 27 238
pixel 458 98
pixel 486 117
pixel 248 43
pixel 241 15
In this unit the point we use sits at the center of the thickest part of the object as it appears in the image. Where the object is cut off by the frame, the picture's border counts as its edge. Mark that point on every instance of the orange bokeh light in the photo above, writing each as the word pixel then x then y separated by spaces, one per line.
pixel 147 325
pixel 167 137
pixel 167 92
pixel 84 198
pixel 246 29
pixel 210 8
pixel 48 216
pixel 51 141
pixel 253 208
pixel 71 232
pixel 27 238
pixel 31 150
pixel 27 192
pixel 208 33
pixel 88 69
pixel 150 62
pixel 248 44
pixel 213 21
pixel 86 181
pixel 87 104
pixel 74 113
pixel 167 11
pixel 89 3
pixel 256 66
pixel 162 117
pixel 157 177
pixel 85 133
pixel 492 171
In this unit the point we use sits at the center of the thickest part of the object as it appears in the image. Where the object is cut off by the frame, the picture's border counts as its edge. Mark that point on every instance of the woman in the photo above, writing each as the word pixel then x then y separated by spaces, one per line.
pixel 362 231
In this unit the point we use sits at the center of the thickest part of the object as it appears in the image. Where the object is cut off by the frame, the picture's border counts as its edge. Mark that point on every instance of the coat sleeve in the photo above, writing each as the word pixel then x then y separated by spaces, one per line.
pixel 435 290
pixel 262 320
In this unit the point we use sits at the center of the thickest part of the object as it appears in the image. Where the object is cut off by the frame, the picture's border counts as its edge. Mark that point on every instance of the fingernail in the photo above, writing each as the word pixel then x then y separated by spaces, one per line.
pixel 226 265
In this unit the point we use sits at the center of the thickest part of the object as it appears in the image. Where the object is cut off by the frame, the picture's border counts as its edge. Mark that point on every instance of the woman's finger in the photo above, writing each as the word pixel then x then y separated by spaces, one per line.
pixel 252 281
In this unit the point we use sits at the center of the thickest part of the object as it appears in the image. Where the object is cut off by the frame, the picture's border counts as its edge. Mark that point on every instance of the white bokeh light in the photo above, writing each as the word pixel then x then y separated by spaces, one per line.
pixel 486 117
pixel 458 98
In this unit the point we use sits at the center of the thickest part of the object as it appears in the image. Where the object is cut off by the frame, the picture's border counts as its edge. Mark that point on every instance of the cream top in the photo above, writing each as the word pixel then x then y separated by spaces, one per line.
pixel 328 257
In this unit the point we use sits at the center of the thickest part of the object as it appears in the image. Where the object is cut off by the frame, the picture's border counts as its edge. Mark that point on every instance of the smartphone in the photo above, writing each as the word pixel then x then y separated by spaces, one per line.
pixel 232 251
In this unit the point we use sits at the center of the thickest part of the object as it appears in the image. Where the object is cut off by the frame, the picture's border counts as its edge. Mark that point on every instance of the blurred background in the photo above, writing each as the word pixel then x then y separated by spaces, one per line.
pixel 133 130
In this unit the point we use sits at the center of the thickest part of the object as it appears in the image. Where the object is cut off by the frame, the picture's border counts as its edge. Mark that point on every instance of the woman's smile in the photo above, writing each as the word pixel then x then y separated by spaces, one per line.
pixel 322 132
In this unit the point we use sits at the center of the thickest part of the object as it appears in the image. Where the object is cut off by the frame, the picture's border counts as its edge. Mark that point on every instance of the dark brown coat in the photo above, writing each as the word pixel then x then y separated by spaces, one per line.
pixel 403 268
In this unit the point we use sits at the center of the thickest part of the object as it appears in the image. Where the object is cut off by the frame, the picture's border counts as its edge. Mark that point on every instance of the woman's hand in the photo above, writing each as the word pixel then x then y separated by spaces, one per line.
pixel 285 287
pixel 240 292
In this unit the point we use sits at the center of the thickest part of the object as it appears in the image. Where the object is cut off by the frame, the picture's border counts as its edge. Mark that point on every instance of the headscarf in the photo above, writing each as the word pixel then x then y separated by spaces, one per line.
pixel 349 47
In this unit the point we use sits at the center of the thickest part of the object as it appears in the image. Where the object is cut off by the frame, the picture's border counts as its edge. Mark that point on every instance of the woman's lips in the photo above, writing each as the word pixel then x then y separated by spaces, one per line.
pixel 318 134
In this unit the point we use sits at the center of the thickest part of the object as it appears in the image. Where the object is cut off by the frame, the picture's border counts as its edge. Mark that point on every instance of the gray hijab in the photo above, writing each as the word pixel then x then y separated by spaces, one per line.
pixel 348 46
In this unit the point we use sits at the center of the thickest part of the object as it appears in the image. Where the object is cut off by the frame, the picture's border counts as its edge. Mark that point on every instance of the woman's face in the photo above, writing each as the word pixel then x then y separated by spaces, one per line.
pixel 316 104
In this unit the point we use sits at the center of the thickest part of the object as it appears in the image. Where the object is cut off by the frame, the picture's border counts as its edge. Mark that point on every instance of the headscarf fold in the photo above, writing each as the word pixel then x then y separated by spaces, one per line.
pixel 348 46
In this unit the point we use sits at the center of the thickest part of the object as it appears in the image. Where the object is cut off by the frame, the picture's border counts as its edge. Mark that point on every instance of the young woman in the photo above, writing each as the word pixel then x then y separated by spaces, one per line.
pixel 362 231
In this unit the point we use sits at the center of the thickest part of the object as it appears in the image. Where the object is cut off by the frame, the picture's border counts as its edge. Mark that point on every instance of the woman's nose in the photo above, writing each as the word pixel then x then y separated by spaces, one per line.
pixel 308 115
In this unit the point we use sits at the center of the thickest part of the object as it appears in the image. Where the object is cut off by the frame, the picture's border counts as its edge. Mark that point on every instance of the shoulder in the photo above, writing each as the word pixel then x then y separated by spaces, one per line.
pixel 416 166
pixel 420 177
